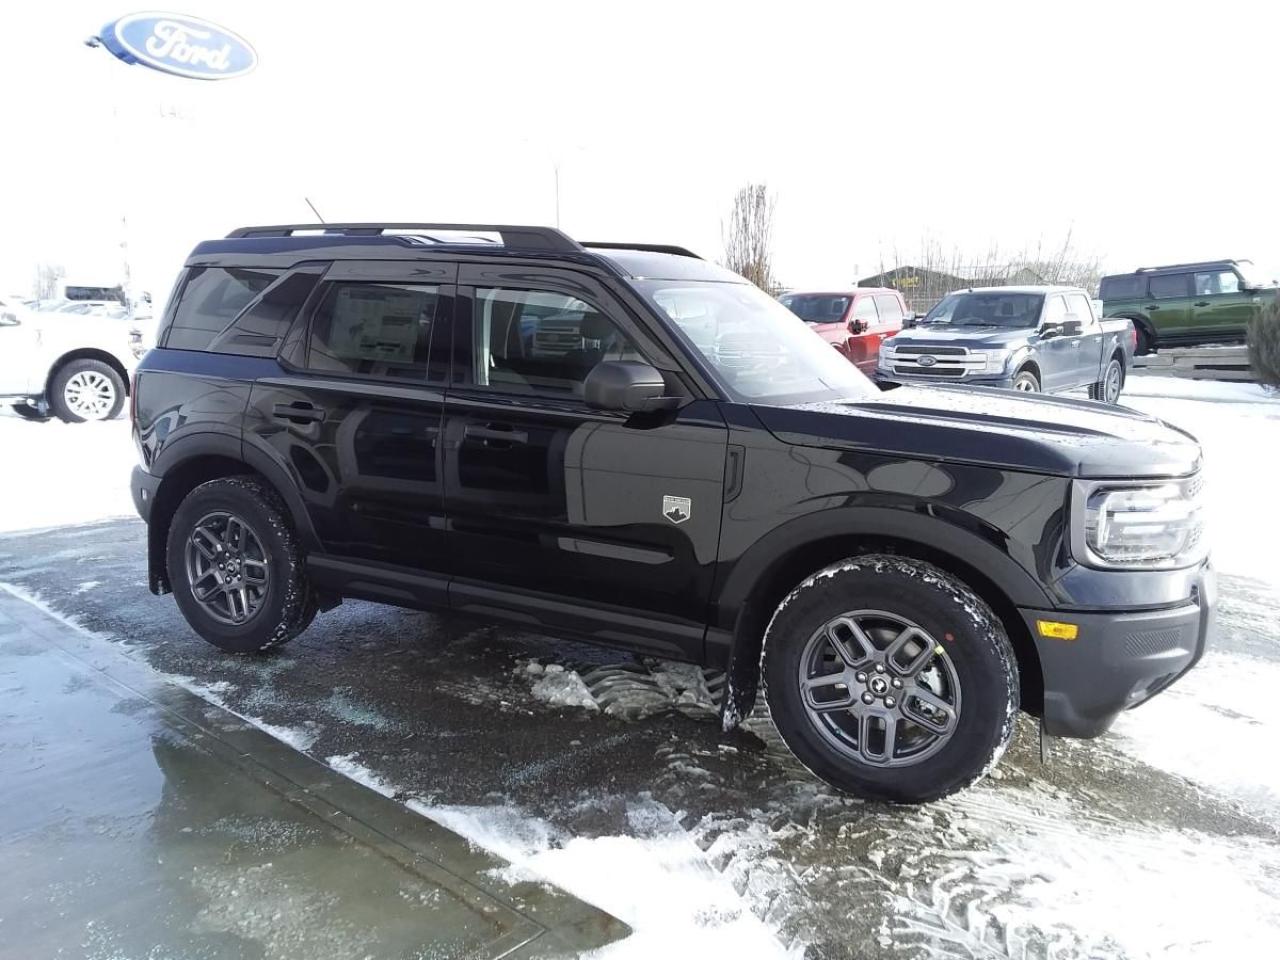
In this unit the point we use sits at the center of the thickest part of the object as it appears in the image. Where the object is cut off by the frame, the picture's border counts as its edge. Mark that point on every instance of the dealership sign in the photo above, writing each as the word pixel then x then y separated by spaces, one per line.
pixel 181 45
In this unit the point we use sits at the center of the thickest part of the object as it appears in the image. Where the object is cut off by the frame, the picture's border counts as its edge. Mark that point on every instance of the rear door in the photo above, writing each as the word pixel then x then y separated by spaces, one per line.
pixel 892 316
pixel 1088 349
pixel 563 516
pixel 1169 306
pixel 1221 309
pixel 355 414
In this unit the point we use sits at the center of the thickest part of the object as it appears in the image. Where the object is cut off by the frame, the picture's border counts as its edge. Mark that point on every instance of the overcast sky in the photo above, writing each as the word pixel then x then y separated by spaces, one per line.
pixel 1148 130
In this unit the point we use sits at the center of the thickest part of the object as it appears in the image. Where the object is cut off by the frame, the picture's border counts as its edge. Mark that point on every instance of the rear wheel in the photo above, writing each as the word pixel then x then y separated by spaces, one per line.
pixel 236 568
pixel 1146 342
pixel 86 390
pixel 1108 388
pixel 887 677
pixel 1026 381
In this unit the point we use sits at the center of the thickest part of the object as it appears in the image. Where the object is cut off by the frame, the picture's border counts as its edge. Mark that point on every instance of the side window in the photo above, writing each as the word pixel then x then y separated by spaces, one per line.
pixel 534 341
pixel 1055 310
pixel 211 299
pixel 1170 286
pixel 257 332
pixel 375 330
pixel 1124 287
pixel 1219 281
pixel 890 310
pixel 1078 304
pixel 865 309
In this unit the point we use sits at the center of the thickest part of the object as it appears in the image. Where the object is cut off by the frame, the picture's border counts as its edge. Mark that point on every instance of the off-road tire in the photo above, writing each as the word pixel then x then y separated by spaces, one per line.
pixel 58 387
pixel 975 644
pixel 288 606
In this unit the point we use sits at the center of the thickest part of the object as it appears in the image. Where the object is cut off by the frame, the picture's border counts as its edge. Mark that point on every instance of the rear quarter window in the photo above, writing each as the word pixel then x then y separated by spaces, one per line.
pixel 1131 287
pixel 211 298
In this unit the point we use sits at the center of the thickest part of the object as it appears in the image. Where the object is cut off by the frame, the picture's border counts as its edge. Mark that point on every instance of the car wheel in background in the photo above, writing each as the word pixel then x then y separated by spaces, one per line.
pixel 889 678
pixel 1108 388
pixel 86 390
pixel 235 566
pixel 27 412
pixel 1026 382
pixel 1146 343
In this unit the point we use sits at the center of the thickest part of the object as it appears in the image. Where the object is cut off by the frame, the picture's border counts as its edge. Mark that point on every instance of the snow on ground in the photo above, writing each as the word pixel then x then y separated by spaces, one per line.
pixel 1239 429
pixel 657 880
pixel 57 474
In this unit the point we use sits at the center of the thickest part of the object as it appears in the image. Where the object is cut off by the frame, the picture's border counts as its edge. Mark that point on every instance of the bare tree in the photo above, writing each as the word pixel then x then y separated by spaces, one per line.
pixel 1264 343
pixel 748 237
pixel 45 283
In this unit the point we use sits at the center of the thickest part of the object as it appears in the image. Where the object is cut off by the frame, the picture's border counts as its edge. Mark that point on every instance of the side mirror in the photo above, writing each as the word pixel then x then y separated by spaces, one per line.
pixel 9 320
pixel 628 386
pixel 857 326
pixel 1050 330
pixel 1072 326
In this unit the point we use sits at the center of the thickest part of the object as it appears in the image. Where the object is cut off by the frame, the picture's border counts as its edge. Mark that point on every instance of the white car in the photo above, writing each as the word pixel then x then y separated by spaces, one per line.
pixel 75 366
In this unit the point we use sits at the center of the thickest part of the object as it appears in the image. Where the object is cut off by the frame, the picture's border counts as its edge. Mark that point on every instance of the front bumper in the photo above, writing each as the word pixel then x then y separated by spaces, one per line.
pixel 881 376
pixel 1119 659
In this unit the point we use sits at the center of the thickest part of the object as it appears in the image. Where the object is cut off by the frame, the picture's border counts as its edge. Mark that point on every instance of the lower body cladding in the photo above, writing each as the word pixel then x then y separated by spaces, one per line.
pixel 1115 660
pixel 898 379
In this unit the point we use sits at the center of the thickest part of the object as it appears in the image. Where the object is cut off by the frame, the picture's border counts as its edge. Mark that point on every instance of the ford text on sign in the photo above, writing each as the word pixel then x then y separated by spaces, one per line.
pixel 181 45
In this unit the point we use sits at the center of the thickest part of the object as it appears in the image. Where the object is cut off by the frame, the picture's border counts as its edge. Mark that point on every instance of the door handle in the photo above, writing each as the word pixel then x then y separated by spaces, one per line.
pixel 495 431
pixel 1153 306
pixel 298 412
pixel 1203 303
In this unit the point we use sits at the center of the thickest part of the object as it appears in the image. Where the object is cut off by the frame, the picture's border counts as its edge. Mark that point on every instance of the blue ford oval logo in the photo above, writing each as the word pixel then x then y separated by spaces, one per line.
pixel 926 360
pixel 181 45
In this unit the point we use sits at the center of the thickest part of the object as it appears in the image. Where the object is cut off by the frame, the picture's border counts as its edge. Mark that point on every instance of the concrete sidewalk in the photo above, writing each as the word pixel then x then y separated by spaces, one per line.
pixel 140 822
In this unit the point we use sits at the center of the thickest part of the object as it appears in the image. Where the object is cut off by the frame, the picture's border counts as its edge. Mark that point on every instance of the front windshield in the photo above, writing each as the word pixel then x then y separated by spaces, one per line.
pixel 816 307
pixel 1011 310
pixel 758 349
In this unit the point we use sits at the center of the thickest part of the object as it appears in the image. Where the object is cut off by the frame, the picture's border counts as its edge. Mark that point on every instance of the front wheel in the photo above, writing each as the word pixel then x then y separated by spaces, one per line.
pixel 887 677
pixel 235 566
pixel 1026 382
pixel 1108 388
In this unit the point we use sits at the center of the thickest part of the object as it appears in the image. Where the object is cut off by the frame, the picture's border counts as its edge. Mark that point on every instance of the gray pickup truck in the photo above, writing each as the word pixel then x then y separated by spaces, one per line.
pixel 1035 339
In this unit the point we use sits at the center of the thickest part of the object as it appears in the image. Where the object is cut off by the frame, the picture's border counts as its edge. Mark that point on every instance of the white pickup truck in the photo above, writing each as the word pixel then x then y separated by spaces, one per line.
pixel 75 366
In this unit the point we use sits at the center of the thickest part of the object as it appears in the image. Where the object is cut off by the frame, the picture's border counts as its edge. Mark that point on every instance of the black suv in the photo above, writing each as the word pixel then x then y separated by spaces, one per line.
pixel 626 444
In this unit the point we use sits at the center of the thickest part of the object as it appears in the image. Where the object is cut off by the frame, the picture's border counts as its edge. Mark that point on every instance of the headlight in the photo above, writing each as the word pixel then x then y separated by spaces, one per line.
pixel 886 357
pixel 996 360
pixel 1150 525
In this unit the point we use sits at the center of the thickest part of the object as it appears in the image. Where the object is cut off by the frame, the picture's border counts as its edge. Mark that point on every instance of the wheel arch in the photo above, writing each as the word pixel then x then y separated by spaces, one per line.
pixel 759 583
pixel 1029 363
pixel 87 353
pixel 197 459
pixel 1142 323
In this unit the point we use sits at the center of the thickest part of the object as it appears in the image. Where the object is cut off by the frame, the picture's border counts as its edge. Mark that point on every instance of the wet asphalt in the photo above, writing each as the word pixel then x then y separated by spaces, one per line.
pixel 441 709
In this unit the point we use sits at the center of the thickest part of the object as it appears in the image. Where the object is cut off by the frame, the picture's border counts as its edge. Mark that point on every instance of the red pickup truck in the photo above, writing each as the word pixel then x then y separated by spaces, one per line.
pixel 853 321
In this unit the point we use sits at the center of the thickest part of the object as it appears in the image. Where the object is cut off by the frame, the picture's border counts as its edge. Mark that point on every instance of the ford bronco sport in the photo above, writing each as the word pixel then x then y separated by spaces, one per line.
pixel 628 445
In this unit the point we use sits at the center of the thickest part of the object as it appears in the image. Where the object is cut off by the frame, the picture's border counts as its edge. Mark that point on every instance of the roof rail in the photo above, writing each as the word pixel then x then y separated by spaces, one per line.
pixel 541 239
pixel 1177 266
pixel 649 247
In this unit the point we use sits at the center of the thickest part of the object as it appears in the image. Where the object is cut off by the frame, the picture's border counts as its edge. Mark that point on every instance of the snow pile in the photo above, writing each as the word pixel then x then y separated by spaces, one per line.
pixel 348 766
pixel 658 881
pixel 560 687
pixel 64 473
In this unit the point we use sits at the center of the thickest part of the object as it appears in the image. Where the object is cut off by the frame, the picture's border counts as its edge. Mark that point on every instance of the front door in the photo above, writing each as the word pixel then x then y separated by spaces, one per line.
pixel 19 348
pixel 355 414
pixel 1057 352
pixel 598 523
pixel 1222 309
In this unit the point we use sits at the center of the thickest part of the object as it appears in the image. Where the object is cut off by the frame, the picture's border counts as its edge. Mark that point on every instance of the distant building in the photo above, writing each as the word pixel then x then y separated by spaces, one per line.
pixel 922 288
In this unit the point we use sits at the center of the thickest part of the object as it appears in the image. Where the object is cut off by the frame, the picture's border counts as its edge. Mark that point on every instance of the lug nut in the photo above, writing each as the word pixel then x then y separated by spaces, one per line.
pixel 896 682
pixel 867 698
pixel 889 701
pixel 860 677
pixel 879 668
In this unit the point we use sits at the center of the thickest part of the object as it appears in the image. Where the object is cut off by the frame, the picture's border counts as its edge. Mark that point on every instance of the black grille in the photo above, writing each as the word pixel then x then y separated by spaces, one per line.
pixel 931 371
pixel 932 351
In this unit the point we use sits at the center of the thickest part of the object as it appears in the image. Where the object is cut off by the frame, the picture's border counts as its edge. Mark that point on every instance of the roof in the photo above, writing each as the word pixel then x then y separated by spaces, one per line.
pixel 1026 288
pixel 289 243
pixel 850 292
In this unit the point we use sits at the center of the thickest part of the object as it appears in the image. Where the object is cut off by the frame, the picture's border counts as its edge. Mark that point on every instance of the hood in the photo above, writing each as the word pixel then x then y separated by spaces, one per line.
pixel 977 337
pixel 998 428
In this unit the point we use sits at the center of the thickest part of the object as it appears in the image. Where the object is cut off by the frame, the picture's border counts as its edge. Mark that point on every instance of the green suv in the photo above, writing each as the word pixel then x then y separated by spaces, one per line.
pixel 1186 303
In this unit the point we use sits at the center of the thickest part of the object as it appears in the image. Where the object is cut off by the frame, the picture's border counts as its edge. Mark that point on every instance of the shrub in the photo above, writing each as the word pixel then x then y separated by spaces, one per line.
pixel 1264 343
